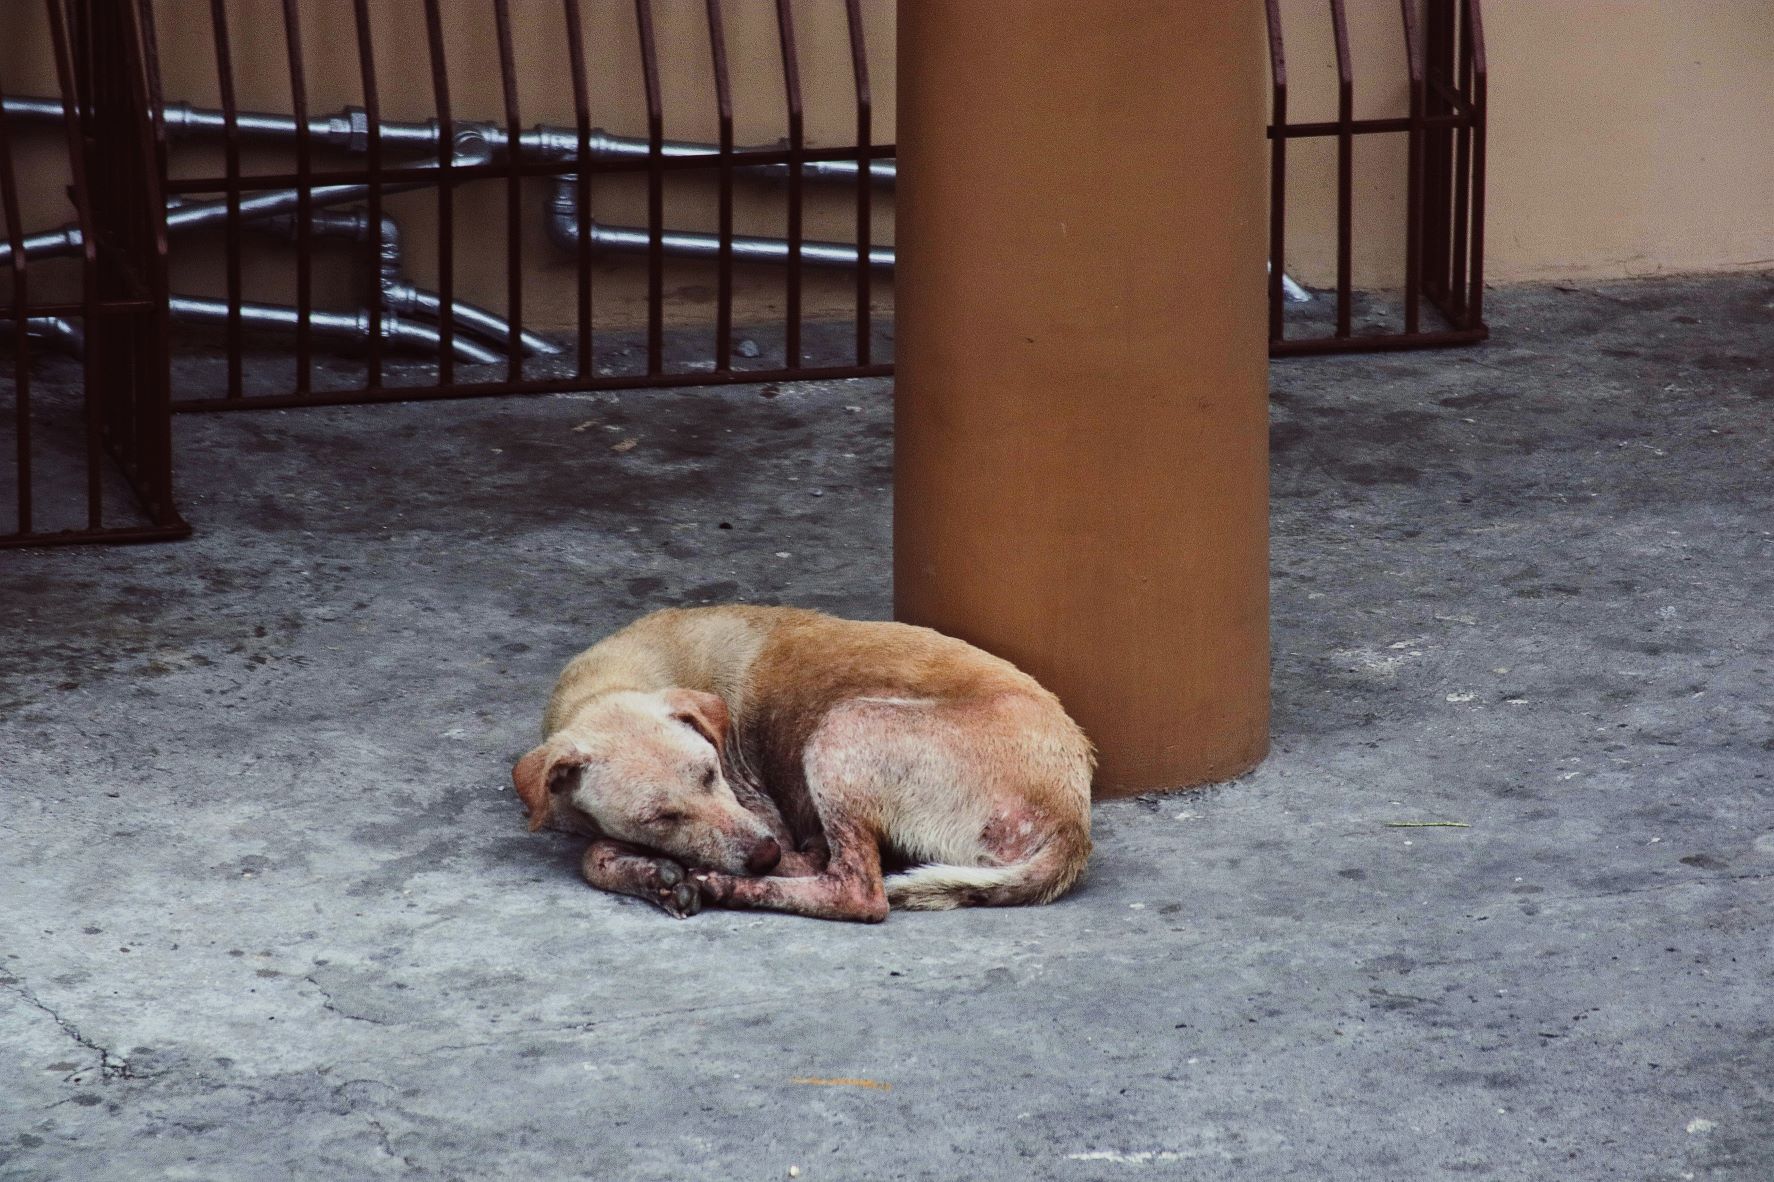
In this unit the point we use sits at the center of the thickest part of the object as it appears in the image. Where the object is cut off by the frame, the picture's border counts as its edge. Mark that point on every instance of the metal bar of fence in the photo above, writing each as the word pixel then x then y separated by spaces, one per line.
pixel 115 535
pixel 1334 127
pixel 147 84
pixel 717 49
pixel 1413 202
pixel 304 140
pixel 218 15
pixel 1345 168
pixel 569 384
pixel 108 172
pixel 643 11
pixel 1462 176
pixel 582 161
pixel 1475 49
pixel 21 321
pixel 1379 343
pixel 150 42
pixel 1458 104
pixel 865 104
pixel 71 121
pixel 1277 172
pixel 446 192
pixel 791 84
pixel 514 214
pixel 96 75
pixel 372 106
pixel 1436 163
pixel 153 366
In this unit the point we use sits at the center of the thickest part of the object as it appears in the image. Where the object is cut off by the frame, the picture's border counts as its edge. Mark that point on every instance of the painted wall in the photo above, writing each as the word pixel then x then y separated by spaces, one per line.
pixel 1628 137
pixel 545 95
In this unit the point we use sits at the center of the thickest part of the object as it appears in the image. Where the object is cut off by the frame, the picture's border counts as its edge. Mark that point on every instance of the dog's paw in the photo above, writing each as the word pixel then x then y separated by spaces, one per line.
pixel 674 889
pixel 715 886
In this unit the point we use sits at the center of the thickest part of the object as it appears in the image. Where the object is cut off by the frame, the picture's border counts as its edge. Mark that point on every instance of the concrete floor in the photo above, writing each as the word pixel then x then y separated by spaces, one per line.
pixel 270 908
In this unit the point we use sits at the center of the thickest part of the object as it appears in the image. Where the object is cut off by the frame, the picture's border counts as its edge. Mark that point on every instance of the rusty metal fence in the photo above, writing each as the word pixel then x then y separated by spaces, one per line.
pixel 95 368
pixel 476 351
pixel 1443 248
pixel 90 436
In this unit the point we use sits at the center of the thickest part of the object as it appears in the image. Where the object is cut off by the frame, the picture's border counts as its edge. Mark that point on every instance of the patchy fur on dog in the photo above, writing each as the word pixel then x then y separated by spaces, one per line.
pixel 787 756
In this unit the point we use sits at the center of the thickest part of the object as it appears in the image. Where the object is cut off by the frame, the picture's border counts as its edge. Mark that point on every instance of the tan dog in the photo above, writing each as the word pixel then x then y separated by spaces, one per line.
pixel 741 740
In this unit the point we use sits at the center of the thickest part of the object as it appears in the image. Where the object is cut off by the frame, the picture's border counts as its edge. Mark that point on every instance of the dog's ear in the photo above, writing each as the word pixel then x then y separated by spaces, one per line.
pixel 543 773
pixel 706 712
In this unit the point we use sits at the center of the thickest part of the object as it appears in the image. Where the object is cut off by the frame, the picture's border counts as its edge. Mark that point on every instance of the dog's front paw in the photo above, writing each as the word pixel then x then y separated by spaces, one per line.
pixel 674 889
pixel 716 887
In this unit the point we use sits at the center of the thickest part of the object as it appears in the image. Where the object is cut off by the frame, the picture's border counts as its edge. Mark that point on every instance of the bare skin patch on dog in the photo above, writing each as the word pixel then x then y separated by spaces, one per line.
pixel 1013 833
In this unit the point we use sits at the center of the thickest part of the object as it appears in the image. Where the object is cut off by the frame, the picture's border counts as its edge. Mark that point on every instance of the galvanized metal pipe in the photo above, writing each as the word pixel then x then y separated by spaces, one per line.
pixel 354 326
pixel 475 142
pixel 479 142
pixel 186 215
pixel 1295 293
pixel 48 244
pixel 351 326
pixel 397 294
pixel 563 226
pixel 57 330
pixel 349 130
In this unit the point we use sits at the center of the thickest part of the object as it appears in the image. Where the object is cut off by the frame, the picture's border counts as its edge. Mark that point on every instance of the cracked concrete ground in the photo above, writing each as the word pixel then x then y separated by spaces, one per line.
pixel 270 909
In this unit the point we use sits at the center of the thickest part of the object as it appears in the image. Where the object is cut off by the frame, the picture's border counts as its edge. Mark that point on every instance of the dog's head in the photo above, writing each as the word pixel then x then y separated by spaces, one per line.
pixel 645 768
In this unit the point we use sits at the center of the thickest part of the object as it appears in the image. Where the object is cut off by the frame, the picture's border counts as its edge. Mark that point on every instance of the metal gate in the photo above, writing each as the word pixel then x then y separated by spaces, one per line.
pixel 99 345
pixel 1443 248
pixel 90 434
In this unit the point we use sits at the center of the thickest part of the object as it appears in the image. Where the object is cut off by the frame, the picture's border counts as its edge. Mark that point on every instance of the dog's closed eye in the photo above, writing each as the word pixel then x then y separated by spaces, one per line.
pixel 708 777
pixel 666 817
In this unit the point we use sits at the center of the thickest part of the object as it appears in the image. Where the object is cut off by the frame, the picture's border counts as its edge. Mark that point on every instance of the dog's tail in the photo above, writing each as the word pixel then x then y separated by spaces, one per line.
pixel 1042 877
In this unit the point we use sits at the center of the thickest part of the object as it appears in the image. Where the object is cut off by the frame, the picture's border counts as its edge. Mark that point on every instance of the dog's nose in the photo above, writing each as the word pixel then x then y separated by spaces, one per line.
pixel 764 858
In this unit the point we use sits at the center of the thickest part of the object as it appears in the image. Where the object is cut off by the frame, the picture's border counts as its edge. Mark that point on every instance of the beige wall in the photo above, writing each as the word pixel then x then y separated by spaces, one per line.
pixel 613 67
pixel 1628 137
pixel 545 96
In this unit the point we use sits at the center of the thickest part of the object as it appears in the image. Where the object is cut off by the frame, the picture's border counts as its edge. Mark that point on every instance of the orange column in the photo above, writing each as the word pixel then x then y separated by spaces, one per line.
pixel 1081 411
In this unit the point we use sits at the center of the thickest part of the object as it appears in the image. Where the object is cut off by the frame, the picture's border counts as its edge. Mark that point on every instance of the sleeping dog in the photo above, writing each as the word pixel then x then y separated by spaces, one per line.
pixel 778 758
